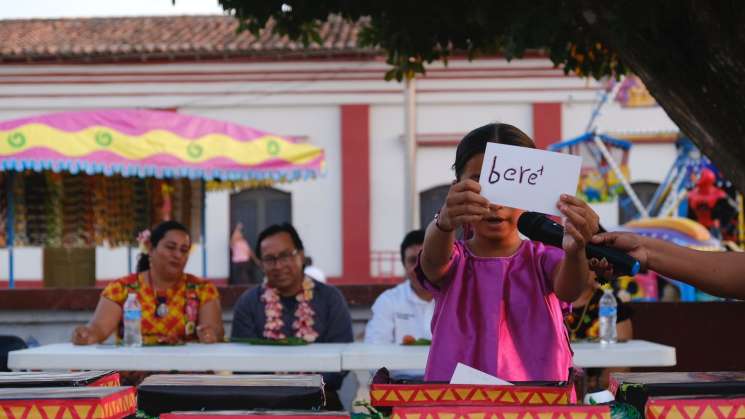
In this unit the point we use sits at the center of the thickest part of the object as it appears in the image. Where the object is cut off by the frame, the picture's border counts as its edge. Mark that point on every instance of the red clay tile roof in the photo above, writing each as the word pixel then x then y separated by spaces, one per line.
pixel 161 38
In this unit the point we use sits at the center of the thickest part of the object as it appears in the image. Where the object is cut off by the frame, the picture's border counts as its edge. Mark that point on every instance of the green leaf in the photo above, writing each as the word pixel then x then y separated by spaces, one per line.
pixel 290 341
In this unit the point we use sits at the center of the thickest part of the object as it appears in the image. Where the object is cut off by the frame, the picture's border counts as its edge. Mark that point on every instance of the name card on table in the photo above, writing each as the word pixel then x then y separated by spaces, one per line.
pixel 464 374
pixel 526 178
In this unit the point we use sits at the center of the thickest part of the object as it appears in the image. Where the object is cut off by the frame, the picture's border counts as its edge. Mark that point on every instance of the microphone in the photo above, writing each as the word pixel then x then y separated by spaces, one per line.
pixel 540 228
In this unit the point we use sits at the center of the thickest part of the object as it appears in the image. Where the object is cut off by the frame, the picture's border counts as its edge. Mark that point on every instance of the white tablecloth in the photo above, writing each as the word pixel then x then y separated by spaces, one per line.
pixel 322 357
pixel 635 353
pixel 190 357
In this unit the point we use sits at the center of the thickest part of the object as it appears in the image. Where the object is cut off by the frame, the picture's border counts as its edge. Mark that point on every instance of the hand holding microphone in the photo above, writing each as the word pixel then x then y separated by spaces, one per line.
pixel 628 243
pixel 540 228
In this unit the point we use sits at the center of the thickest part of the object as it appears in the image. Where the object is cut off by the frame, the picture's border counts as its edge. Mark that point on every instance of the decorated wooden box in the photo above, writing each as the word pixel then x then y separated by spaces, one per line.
pixel 160 394
pixel 694 407
pixel 264 414
pixel 636 388
pixel 67 402
pixel 503 412
pixel 386 395
pixel 59 379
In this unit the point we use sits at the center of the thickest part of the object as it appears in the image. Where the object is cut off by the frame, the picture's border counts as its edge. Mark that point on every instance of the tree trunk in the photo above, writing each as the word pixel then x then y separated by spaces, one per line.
pixel 692 60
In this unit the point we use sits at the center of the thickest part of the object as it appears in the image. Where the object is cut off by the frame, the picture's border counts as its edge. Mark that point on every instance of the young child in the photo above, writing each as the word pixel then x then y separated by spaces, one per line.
pixel 497 296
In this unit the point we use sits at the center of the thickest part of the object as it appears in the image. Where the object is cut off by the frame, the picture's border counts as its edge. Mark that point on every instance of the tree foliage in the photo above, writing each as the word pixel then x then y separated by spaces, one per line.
pixel 416 33
pixel 689 53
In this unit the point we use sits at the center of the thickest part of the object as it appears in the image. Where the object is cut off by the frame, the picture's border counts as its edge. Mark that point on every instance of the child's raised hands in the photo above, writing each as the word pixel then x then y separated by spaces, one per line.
pixel 463 205
pixel 580 223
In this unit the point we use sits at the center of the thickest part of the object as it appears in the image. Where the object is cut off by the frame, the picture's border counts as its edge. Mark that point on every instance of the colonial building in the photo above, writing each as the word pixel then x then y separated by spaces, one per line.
pixel 332 95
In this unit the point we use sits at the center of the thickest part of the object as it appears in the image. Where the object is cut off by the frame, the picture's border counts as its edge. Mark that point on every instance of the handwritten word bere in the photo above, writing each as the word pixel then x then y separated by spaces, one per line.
pixel 512 174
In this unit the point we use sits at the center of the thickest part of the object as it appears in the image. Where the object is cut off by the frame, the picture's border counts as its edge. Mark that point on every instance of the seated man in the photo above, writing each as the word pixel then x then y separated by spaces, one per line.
pixel 290 304
pixel 403 313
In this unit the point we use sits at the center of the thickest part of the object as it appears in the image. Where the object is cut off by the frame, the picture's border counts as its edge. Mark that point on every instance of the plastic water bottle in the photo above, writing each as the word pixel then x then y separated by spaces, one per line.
pixel 132 321
pixel 607 310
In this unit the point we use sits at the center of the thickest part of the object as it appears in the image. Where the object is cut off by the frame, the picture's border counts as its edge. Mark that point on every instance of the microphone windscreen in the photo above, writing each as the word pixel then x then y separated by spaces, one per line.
pixel 538 227
pixel 529 223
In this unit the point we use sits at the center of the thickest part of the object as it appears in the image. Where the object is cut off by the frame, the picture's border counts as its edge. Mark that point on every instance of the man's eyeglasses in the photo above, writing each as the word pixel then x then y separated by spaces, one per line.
pixel 283 258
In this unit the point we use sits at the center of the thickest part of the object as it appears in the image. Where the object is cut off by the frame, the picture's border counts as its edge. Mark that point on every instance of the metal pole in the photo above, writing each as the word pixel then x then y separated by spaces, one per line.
pixel 203 228
pixel 412 201
pixel 129 259
pixel 671 210
pixel 672 174
pixel 740 220
pixel 672 200
pixel 10 229
pixel 607 94
pixel 617 170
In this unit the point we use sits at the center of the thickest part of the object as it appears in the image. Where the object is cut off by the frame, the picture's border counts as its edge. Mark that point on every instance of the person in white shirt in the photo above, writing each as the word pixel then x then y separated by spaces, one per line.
pixel 313 271
pixel 405 310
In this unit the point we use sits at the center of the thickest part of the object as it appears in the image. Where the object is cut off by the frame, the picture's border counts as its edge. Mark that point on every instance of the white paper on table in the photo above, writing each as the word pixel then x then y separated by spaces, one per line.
pixel 528 179
pixel 466 375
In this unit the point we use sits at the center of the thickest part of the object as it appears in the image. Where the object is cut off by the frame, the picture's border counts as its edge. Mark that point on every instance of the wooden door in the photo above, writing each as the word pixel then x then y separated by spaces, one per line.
pixel 69 267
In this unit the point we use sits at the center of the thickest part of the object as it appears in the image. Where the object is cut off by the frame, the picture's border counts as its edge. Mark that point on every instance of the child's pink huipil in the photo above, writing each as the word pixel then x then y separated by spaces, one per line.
pixel 499 315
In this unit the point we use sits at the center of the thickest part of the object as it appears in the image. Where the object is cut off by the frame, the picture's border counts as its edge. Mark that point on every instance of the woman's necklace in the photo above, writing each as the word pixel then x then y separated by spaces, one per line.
pixel 580 319
pixel 162 308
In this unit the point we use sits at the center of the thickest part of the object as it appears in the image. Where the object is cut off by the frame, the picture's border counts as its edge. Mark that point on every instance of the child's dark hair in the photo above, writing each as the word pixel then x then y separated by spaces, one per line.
pixel 156 235
pixel 276 229
pixel 475 142
pixel 413 238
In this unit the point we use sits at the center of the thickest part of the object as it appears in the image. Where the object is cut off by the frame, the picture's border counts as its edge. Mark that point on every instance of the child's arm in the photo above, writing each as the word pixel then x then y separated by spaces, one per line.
pixel 463 205
pixel 581 223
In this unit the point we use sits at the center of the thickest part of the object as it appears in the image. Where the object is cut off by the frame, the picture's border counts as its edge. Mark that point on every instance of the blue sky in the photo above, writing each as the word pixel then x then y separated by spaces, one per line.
pixel 16 9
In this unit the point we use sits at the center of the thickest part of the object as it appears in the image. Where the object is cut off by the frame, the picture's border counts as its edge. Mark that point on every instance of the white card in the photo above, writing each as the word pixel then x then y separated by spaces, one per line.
pixel 466 375
pixel 528 179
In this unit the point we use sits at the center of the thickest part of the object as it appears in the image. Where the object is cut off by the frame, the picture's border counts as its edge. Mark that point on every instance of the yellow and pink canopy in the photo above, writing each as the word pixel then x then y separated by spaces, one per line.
pixel 147 143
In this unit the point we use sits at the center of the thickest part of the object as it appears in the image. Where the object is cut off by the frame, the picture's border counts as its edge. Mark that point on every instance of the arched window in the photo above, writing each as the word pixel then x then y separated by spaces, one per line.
pixel 257 209
pixel 430 201
pixel 626 210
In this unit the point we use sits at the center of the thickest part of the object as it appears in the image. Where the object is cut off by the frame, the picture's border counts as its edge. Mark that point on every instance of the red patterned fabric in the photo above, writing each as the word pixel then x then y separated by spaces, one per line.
pixel 183 301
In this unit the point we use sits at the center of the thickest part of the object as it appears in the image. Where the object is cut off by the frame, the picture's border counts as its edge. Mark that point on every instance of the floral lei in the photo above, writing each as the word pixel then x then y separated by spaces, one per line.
pixel 303 323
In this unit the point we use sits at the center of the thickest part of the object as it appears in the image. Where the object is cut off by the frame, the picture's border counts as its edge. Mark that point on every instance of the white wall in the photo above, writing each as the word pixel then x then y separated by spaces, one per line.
pixel 462 118
pixel 27 263
pixel 217 227
pixel 434 167
pixel 613 118
pixel 387 178
pixel 651 162
pixel 111 263
pixel 608 213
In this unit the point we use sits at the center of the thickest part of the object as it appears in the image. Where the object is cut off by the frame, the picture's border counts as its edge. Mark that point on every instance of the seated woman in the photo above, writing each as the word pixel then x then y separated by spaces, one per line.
pixel 176 306
pixel 583 323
